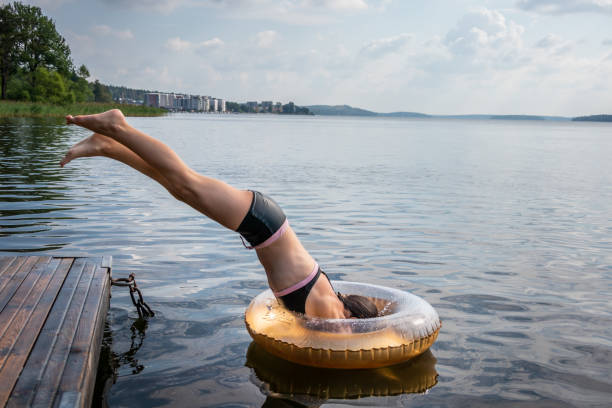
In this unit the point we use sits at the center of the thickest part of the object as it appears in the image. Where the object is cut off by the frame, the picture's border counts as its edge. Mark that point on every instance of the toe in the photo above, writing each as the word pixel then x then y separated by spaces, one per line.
pixel 66 159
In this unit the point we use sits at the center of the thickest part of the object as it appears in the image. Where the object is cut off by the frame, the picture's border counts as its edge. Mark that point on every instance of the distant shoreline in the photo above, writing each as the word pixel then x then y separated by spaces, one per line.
pixel 593 118
pixel 10 108
pixel 14 109
pixel 346 110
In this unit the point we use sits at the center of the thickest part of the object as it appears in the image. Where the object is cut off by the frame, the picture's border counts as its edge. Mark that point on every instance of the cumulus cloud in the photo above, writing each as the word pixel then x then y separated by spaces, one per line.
pixel 483 29
pixel 265 39
pixel 178 45
pixel 212 43
pixel 566 6
pixel 105 30
pixel 379 47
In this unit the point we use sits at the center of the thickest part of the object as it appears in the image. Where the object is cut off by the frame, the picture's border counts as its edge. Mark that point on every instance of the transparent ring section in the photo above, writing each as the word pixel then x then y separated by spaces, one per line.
pixel 407 326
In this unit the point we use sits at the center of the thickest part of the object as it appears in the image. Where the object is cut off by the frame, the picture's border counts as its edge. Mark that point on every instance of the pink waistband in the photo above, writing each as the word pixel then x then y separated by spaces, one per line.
pixel 279 232
pixel 300 284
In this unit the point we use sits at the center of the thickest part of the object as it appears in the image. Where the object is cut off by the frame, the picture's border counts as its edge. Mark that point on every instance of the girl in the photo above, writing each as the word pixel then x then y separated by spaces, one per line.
pixel 293 275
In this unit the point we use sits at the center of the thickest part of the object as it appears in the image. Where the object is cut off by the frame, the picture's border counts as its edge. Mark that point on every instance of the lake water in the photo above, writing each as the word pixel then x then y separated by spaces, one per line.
pixel 504 227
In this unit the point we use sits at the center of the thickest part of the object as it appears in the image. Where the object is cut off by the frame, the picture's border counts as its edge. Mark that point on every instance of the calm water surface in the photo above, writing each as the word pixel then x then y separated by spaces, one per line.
pixel 505 227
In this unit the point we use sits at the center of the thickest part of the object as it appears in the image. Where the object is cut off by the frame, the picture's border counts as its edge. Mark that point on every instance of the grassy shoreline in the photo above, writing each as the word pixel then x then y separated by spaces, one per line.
pixel 15 109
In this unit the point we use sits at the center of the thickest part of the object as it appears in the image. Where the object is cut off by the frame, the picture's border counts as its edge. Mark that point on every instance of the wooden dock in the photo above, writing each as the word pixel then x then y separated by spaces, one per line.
pixel 52 312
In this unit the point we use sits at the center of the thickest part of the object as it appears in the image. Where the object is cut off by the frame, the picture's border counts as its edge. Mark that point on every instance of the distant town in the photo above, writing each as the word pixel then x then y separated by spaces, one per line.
pixel 185 103
pixel 174 102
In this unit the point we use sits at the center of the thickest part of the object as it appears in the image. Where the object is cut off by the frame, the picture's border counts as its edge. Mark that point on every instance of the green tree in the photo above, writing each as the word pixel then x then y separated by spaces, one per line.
pixel 79 86
pixel 18 87
pixel 83 72
pixel 29 40
pixel 51 87
pixel 43 46
pixel 101 92
pixel 9 45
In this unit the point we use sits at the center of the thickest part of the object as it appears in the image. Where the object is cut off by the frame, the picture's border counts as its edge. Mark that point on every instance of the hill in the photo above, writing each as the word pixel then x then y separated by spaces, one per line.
pixel 404 115
pixel 346 110
pixel 339 110
pixel 594 118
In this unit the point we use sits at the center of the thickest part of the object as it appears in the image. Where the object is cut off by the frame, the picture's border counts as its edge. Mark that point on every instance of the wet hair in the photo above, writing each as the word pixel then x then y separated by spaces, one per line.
pixel 359 306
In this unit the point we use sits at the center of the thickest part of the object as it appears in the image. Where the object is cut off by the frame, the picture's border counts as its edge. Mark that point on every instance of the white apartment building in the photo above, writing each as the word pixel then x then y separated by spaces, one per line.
pixel 181 102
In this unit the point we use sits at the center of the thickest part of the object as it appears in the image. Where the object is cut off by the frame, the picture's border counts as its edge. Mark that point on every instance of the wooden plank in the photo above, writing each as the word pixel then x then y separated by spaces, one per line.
pixel 85 351
pixel 51 329
pixel 5 262
pixel 13 277
pixel 32 313
pixel 9 268
pixel 53 372
pixel 20 295
pixel 70 399
pixel 32 373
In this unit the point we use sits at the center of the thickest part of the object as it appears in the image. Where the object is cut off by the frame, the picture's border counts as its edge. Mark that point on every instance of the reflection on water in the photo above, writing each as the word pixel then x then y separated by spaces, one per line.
pixel 32 189
pixel 111 360
pixel 311 386
pixel 504 227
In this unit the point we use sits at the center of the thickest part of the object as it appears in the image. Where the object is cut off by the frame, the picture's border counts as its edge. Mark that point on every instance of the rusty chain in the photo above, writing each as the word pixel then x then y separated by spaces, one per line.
pixel 141 307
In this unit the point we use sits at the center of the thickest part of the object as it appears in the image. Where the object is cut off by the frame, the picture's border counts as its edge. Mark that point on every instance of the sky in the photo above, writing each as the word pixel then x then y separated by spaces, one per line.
pixel 541 57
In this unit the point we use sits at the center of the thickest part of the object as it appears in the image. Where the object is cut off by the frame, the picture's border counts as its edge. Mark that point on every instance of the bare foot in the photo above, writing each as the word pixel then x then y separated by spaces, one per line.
pixel 105 123
pixel 94 145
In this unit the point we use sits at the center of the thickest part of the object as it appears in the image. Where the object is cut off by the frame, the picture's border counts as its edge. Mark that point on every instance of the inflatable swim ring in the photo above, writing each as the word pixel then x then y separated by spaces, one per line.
pixel 407 327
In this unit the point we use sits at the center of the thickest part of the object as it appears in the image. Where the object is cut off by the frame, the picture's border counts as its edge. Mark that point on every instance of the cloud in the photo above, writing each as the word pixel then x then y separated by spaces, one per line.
pixel 108 31
pixel 265 39
pixel 482 41
pixel 566 6
pixel 337 4
pixel 303 12
pixel 549 41
pixel 161 6
pixel 212 43
pixel 554 44
pixel 484 30
pixel 607 42
pixel 377 48
pixel 178 45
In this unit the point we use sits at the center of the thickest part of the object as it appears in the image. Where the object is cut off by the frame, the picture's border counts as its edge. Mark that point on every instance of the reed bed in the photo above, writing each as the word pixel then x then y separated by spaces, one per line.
pixel 37 109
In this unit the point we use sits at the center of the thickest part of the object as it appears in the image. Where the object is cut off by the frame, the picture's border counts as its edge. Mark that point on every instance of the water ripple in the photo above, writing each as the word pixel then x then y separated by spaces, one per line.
pixel 504 227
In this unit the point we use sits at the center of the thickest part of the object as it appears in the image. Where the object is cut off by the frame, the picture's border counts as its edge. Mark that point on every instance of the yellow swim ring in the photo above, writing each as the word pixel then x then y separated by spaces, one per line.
pixel 407 326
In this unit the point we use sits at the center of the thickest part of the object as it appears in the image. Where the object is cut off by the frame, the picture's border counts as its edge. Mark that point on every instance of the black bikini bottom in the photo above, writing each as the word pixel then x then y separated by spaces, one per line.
pixel 264 218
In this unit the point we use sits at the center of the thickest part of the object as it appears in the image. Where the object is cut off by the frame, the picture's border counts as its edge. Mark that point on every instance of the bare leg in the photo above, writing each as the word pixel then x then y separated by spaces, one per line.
pixel 215 199
pixel 100 145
